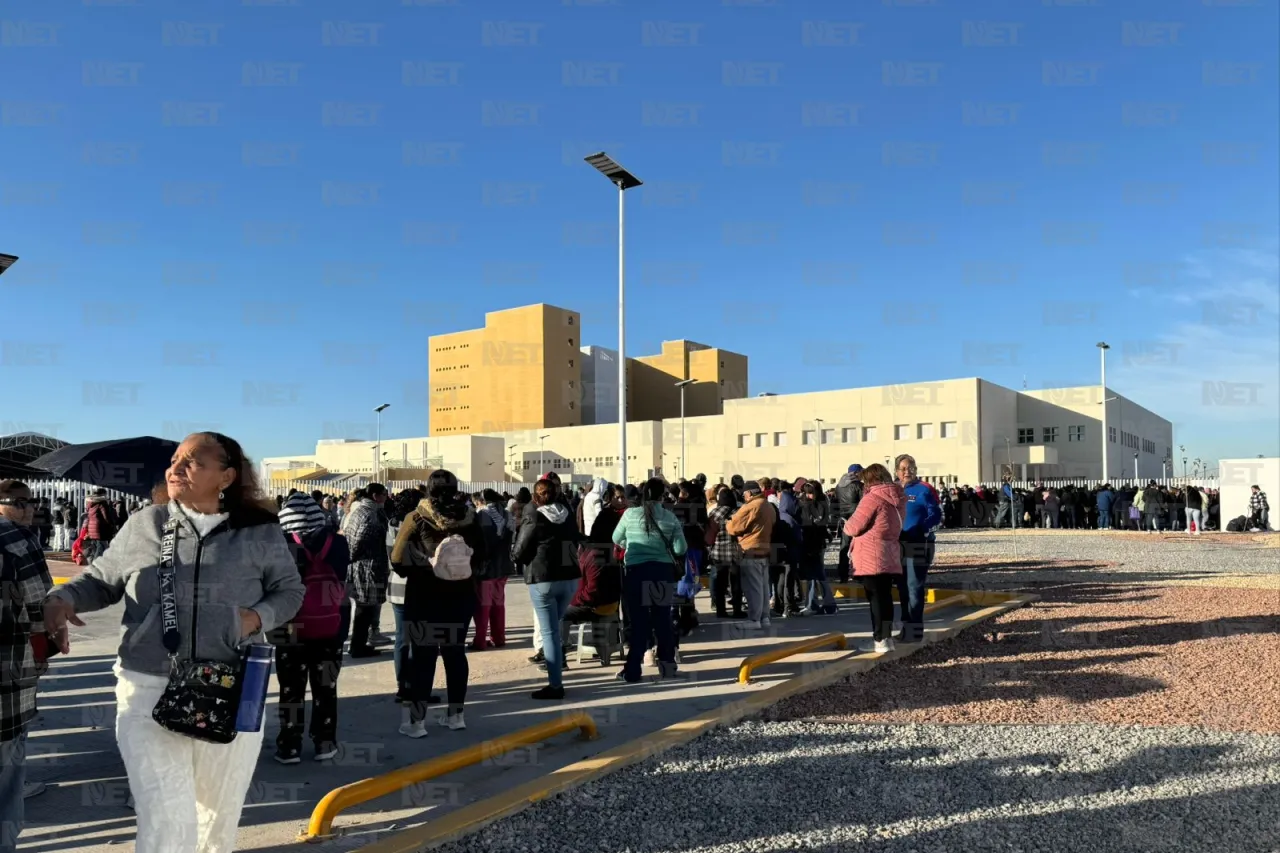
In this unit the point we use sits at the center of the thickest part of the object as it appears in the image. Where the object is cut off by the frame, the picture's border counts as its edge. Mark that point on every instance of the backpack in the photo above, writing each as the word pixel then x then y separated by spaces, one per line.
pixel 452 560
pixel 320 616
pixel 1236 525
pixel 70 515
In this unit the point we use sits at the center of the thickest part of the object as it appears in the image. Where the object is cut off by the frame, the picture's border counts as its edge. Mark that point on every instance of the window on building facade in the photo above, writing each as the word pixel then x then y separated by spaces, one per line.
pixel 924 431
pixel 828 436
pixel 868 434
pixel 1075 433
pixel 760 439
pixel 1049 434
pixel 808 437
pixel 948 429
pixel 901 432
pixel 849 435
pixel 1026 435
pixel 779 439
pixel 742 440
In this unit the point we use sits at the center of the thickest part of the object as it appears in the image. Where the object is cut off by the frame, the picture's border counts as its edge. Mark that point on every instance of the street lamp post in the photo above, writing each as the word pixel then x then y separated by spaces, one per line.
pixel 542 454
pixel 511 447
pixel 378 457
pixel 818 421
pixel 1103 346
pixel 623 180
pixel 1135 466
pixel 683 384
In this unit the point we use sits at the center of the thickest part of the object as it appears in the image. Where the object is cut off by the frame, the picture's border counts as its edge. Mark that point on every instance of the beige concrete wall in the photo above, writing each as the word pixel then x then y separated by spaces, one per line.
pixel 469 457
pixel 582 451
pixel 1079 405
pixel 523 369
pixel 778 436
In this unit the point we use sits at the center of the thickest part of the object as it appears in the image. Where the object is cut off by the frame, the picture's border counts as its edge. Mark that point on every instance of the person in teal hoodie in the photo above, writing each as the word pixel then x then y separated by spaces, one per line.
pixel 653 542
pixel 924 515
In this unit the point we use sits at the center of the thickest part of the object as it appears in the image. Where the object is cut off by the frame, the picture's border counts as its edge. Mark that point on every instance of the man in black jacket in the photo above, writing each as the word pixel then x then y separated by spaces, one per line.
pixel 848 493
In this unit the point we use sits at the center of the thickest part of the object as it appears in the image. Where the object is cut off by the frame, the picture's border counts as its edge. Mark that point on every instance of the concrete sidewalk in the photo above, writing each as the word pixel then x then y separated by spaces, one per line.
pixel 72 744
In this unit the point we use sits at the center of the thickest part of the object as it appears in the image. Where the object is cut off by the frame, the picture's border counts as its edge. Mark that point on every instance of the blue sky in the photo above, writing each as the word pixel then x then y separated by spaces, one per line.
pixel 251 216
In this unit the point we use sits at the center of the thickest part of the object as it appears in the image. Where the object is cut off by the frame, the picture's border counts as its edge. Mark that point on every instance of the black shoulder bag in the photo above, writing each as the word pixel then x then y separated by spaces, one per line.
pixel 202 697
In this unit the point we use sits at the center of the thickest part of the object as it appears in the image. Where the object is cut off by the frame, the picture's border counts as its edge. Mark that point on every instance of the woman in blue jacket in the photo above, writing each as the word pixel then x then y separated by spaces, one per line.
pixel 923 516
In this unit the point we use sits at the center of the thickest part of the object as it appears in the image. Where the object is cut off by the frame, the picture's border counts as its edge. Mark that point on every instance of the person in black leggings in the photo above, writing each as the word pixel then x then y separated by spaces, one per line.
pixel 437 611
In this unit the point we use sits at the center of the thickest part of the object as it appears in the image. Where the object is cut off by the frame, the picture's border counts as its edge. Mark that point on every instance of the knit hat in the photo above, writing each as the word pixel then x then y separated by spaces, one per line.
pixel 855 468
pixel 301 514
pixel 750 486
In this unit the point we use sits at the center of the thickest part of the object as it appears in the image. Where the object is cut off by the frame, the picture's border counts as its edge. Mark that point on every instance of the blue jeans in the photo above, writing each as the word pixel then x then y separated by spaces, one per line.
pixel 649 593
pixel 550 601
pixel 13 754
pixel 402 647
pixel 916 558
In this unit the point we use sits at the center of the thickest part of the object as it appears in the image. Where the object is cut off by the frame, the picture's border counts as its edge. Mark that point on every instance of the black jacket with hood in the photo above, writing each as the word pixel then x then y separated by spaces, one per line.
pixel 547 545
pixel 421 532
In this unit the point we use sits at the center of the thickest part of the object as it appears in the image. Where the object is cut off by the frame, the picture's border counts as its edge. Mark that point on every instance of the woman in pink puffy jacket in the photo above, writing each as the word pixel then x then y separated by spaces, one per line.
pixel 877 555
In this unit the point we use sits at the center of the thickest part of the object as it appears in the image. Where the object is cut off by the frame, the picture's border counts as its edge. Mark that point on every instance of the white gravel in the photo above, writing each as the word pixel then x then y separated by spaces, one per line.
pixel 781 786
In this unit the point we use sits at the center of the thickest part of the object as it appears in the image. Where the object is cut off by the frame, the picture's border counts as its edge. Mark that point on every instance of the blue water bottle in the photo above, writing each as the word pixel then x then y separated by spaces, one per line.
pixel 253 687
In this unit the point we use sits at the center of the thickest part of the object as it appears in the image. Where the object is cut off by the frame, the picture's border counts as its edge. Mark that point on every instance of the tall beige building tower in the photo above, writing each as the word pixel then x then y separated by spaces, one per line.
pixel 522 370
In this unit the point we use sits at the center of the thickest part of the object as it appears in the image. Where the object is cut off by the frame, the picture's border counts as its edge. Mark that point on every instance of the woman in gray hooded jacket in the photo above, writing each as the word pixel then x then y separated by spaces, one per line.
pixel 188 793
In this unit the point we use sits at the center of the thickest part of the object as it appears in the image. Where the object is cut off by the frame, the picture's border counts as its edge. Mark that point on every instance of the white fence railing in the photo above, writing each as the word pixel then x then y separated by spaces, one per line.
pixel 76 491
pixel 1116 482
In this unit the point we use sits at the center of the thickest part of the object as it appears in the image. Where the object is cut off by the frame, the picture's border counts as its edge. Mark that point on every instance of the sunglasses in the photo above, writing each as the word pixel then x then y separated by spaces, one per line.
pixel 20 503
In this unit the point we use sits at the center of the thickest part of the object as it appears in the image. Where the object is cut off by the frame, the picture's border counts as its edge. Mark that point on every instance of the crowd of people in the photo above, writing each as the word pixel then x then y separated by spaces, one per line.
pixel 1151 507
pixel 309 576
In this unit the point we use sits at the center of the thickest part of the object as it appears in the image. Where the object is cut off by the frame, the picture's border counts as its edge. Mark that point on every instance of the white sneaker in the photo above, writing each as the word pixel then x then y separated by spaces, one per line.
pixel 326 752
pixel 883 647
pixel 453 722
pixel 414 730
pixel 897 627
pixel 651 658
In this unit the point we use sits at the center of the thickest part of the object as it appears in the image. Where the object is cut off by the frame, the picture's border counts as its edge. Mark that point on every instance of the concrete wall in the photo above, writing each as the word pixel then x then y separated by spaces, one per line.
pixel 1235 476
pixel 582 452
pixel 1132 423
pixel 523 369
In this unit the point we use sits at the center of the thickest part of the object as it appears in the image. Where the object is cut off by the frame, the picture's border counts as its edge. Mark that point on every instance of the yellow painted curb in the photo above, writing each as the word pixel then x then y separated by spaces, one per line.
pixel 471 818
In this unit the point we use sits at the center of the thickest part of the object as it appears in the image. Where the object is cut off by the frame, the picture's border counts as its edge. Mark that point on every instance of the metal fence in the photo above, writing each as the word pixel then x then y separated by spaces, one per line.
pixel 78 492
pixel 346 485
pixel 1116 483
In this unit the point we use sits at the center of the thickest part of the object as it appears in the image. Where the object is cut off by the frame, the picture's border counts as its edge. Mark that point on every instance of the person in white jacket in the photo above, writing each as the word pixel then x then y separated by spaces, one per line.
pixel 593 503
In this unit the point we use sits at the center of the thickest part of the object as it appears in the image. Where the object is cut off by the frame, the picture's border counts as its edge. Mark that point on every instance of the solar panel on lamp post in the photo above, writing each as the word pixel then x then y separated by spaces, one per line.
pixel 7 261
pixel 623 180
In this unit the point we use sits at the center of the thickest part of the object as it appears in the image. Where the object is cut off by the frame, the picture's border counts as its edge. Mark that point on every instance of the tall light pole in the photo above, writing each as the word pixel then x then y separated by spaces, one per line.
pixel 818 421
pixel 683 384
pixel 1182 449
pixel 1135 466
pixel 542 454
pixel 378 457
pixel 623 180
pixel 510 447
pixel 1103 346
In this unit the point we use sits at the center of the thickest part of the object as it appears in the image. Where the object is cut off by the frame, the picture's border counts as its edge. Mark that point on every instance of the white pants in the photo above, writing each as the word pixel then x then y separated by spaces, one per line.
pixel 62 538
pixel 188 794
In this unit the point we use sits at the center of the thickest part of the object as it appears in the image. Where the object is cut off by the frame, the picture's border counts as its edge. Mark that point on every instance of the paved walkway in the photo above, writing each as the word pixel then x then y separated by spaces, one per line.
pixel 72 744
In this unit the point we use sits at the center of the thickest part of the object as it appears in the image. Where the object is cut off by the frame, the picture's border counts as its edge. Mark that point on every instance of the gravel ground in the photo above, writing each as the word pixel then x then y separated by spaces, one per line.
pixel 1105 653
pixel 808 786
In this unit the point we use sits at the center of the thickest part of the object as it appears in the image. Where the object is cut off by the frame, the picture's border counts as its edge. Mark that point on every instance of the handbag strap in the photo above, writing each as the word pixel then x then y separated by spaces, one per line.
pixel 168 589
pixel 676 562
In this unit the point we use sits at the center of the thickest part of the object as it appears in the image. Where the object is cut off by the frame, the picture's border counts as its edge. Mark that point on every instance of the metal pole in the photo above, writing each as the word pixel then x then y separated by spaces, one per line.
pixel 378 457
pixel 819 451
pixel 682 387
pixel 1105 439
pixel 622 342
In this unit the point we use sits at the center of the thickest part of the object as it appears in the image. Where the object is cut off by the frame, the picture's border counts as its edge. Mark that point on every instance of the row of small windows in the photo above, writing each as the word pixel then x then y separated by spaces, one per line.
pixel 454 347
pixel 440 389
pixel 1048 435
pixel 847 435
pixel 450 408
pixel 458 367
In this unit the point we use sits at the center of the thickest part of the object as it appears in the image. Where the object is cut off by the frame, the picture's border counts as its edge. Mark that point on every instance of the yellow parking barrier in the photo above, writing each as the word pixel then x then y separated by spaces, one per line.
pixel 947 601
pixel 812 644
pixel 857 593
pixel 341 799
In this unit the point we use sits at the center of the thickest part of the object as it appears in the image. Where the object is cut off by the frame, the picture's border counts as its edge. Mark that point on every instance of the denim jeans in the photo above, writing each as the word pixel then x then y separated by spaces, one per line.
pixel 1194 517
pixel 649 593
pixel 13 754
pixel 911 587
pixel 550 601
pixel 402 647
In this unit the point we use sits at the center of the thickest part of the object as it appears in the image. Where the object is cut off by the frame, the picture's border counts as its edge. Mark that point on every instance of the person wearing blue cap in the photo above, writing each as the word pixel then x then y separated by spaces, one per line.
pixel 848 493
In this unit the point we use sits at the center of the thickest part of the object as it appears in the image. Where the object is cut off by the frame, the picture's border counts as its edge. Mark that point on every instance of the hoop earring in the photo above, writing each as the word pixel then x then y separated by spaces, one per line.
pixel 222 506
